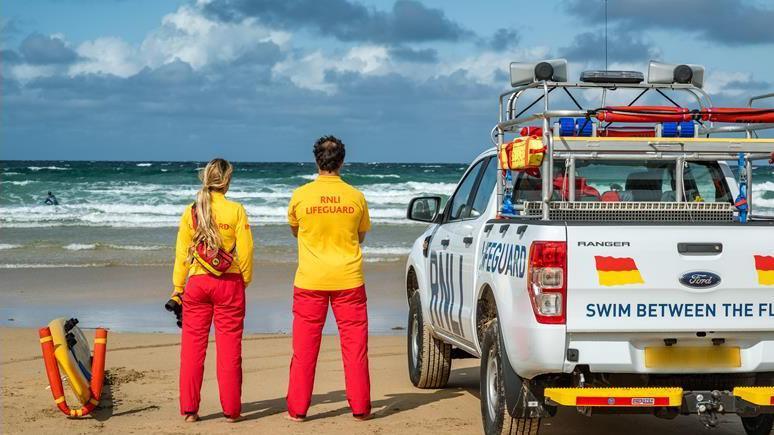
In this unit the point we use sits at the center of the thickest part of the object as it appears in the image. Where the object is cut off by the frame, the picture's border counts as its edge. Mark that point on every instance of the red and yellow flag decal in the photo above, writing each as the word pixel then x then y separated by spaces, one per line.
pixel 617 271
pixel 764 265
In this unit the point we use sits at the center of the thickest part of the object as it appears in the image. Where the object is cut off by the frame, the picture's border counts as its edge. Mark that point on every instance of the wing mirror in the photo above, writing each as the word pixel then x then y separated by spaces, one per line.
pixel 424 208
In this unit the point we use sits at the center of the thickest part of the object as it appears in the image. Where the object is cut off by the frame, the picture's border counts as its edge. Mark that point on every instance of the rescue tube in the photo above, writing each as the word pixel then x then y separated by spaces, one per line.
pixel 739 115
pixel 643 114
pixel 51 355
pixel 73 355
pixel 638 114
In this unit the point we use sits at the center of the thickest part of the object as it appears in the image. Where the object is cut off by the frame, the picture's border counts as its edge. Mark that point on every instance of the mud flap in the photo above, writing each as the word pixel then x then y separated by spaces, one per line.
pixel 520 399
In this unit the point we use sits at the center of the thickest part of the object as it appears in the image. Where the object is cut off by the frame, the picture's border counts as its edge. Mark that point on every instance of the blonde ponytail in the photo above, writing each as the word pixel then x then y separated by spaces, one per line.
pixel 216 176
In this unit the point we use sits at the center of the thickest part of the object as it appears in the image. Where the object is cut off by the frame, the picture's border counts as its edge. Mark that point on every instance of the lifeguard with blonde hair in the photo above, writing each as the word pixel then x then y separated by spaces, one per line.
pixel 213 265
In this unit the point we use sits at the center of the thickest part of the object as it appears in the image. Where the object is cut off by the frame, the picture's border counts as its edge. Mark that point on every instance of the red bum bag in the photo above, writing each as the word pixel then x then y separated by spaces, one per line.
pixel 218 261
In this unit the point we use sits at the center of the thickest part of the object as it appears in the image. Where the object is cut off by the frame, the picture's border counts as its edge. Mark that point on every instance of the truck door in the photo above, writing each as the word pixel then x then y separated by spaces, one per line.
pixel 452 251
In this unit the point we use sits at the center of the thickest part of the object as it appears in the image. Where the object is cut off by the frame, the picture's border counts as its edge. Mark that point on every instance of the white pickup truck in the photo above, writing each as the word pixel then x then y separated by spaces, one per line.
pixel 623 276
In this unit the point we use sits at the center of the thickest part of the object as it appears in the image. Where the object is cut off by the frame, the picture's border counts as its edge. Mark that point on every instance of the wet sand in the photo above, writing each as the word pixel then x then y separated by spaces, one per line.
pixel 131 298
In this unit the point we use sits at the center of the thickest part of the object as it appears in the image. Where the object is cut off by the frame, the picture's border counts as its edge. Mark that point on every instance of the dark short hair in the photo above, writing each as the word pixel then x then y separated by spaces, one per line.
pixel 329 153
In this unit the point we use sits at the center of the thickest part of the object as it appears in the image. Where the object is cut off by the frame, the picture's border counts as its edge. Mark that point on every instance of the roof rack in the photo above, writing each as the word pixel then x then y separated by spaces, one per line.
pixel 674 133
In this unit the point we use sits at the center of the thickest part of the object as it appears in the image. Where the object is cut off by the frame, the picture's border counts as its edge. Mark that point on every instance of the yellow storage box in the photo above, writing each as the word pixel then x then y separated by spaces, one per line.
pixel 522 153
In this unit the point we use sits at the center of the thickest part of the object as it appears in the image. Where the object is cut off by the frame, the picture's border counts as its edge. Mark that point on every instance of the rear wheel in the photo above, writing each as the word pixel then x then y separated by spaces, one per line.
pixel 496 419
pixel 760 425
pixel 429 359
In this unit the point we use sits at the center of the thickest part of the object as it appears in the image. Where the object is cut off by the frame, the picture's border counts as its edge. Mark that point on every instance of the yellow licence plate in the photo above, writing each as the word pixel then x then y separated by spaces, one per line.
pixel 675 357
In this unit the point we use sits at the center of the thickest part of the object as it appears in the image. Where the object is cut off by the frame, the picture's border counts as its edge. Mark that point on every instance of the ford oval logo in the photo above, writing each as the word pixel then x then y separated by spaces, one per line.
pixel 700 279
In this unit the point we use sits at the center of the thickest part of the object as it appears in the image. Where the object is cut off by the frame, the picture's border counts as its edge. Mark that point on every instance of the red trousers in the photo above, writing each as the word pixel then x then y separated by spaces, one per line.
pixel 223 298
pixel 310 307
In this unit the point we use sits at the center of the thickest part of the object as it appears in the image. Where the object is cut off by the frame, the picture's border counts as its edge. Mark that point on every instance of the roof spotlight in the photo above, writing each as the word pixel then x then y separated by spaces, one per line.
pixel 523 73
pixel 667 73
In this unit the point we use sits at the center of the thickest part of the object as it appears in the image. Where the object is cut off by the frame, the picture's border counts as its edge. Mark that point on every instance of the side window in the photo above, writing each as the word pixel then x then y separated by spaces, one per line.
pixel 459 207
pixel 485 188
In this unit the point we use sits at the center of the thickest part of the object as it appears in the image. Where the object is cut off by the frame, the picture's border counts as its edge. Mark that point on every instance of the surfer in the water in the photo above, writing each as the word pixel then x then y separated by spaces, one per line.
pixel 214 255
pixel 51 199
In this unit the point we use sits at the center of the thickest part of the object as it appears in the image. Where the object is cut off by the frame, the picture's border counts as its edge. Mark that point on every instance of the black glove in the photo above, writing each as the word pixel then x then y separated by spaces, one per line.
pixel 175 305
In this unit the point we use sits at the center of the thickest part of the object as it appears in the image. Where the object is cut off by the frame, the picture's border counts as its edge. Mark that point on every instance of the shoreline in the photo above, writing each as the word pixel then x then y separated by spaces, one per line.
pixel 131 298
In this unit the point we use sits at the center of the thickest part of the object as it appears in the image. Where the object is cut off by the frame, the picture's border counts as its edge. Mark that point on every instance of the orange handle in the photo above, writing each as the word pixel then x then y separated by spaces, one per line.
pixel 98 363
pixel 52 369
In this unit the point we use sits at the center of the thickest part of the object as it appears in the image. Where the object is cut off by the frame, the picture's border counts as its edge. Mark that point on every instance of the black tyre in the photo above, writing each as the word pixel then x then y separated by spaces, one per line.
pixel 495 417
pixel 760 425
pixel 429 359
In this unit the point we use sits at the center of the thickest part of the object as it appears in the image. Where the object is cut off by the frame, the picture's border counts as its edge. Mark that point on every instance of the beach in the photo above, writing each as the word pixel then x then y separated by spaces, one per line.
pixel 142 394
pixel 143 366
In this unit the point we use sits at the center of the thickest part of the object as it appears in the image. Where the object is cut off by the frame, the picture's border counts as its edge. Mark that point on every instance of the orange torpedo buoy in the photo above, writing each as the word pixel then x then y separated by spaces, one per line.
pixel 55 379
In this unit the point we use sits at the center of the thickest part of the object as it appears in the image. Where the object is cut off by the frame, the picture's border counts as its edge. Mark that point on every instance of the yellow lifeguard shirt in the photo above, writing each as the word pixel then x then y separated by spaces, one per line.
pixel 234 230
pixel 329 214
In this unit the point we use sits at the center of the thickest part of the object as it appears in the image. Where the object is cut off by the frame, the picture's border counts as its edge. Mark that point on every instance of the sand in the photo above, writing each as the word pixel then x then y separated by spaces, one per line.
pixel 143 367
pixel 142 397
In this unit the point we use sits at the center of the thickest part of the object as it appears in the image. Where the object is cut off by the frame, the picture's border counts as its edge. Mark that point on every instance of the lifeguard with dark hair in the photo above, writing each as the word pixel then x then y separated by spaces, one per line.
pixel 330 219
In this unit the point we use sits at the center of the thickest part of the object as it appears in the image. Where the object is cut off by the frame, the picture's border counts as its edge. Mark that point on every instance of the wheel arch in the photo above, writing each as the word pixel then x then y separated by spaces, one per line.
pixel 486 311
pixel 412 282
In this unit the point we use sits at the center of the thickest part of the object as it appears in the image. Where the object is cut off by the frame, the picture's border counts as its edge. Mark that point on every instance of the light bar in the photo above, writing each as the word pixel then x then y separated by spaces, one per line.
pixel 612 77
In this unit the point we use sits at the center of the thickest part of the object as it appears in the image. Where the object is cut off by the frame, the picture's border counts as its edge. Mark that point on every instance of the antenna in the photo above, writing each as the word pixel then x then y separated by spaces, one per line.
pixel 605 35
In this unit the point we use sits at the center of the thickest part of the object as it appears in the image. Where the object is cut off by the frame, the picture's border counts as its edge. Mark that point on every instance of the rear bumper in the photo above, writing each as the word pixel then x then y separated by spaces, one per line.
pixel 746 401
pixel 625 353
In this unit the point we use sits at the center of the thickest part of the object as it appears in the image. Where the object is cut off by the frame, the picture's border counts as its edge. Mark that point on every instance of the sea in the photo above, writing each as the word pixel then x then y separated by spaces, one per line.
pixel 126 213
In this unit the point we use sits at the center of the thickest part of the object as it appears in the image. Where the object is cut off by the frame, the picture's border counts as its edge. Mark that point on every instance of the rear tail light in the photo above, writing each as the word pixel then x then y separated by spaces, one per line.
pixel 547 281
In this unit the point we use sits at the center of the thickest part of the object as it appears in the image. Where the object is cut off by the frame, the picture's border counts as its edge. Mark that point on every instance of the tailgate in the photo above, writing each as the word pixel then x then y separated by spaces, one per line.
pixel 670 278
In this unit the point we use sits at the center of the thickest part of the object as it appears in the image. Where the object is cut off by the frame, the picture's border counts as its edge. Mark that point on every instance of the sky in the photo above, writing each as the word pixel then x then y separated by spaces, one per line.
pixel 396 80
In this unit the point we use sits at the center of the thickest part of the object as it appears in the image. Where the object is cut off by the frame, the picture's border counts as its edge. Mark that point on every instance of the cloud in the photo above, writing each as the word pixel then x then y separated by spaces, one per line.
pixel 39 49
pixel 193 37
pixel 749 84
pixel 8 27
pixel 623 46
pixel 504 39
pixel 310 71
pixel 733 84
pixel 408 54
pixel 489 67
pixel 107 55
pixel 183 111
pixel 9 57
pixel 408 21
pixel 730 22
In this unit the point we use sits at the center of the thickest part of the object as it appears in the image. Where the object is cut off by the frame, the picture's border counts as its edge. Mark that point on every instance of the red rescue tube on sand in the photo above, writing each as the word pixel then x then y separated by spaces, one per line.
pixel 55 379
